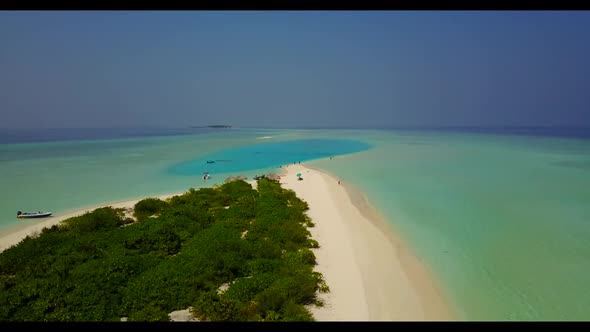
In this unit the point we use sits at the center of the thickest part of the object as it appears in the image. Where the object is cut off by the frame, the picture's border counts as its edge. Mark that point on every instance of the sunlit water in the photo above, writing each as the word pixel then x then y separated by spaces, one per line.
pixel 61 176
pixel 503 221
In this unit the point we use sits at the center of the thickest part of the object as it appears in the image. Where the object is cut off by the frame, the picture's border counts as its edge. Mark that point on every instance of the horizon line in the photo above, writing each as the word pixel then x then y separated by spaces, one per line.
pixel 572 126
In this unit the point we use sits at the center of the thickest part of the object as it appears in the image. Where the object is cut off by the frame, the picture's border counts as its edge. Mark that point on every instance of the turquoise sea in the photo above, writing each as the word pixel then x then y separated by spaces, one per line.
pixel 502 219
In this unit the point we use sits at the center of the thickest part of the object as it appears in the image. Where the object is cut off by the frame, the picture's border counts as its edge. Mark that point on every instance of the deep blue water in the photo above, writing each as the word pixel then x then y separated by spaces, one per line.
pixel 11 136
pixel 30 135
pixel 563 132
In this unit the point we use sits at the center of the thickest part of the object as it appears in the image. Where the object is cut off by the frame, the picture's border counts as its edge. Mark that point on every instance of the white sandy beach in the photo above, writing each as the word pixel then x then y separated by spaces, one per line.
pixel 370 274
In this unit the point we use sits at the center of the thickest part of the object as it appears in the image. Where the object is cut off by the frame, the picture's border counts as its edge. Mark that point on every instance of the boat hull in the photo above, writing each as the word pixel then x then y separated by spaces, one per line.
pixel 31 216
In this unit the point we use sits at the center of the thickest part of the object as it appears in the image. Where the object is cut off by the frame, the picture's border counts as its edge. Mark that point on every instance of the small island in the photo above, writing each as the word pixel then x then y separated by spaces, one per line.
pixel 213 126
pixel 228 253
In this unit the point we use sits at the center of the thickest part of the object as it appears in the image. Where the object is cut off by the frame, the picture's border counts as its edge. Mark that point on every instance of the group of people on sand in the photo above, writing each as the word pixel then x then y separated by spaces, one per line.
pixel 294 163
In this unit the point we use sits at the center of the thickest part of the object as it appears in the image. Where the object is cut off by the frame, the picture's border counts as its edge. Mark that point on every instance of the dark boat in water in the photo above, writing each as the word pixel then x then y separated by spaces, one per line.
pixel 39 214
pixel 210 161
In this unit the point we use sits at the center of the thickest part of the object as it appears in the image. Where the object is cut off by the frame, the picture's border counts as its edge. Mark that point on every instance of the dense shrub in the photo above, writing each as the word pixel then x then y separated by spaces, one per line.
pixel 177 255
pixel 100 219
pixel 148 207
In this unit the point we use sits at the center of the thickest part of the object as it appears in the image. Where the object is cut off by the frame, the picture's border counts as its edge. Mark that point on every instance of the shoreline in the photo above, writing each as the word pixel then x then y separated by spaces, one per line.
pixel 13 235
pixel 395 284
pixel 434 300
pixel 385 281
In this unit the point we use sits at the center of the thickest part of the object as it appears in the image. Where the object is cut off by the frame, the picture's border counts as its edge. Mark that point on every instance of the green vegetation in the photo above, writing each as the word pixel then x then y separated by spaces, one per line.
pixel 101 266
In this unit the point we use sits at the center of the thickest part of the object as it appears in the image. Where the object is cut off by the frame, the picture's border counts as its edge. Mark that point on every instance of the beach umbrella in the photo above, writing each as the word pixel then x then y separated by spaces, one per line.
pixel 298 175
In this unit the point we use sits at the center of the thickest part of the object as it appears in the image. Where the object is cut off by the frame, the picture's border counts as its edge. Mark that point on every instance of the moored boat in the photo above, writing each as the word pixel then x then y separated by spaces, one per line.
pixel 39 214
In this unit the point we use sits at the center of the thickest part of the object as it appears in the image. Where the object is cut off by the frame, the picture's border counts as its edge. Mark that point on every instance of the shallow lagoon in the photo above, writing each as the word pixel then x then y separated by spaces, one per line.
pixel 268 155
pixel 61 176
pixel 501 220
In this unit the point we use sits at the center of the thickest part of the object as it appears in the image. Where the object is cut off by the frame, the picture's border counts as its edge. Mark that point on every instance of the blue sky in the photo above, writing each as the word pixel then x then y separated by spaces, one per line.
pixel 294 69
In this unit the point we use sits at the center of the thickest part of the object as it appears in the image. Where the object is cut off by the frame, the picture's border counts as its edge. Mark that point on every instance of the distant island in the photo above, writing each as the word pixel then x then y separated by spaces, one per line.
pixel 212 126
